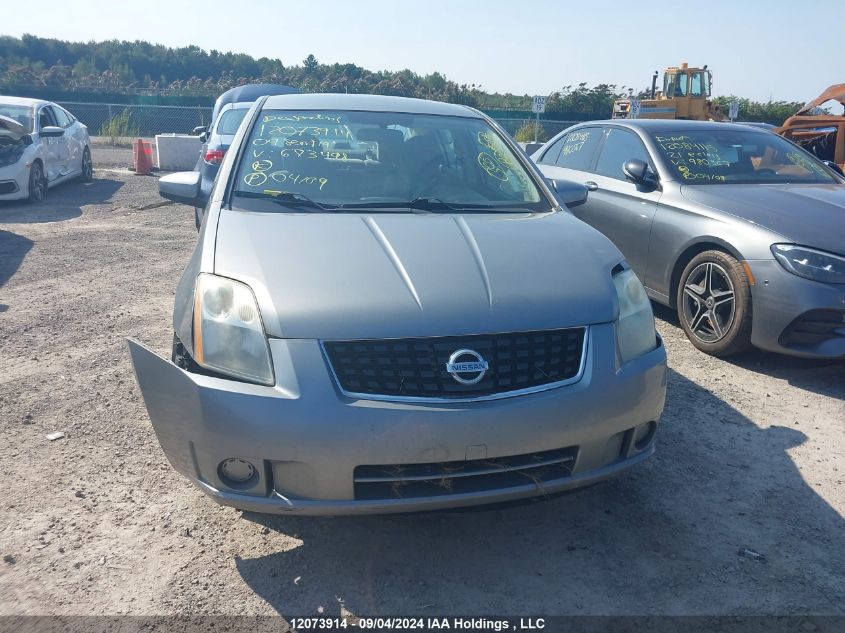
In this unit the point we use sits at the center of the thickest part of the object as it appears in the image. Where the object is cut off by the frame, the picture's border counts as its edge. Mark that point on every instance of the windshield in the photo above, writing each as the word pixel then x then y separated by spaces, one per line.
pixel 703 157
pixel 21 114
pixel 230 121
pixel 383 159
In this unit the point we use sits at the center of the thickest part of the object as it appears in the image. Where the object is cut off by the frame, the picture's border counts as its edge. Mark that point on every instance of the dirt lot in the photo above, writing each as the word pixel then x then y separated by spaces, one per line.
pixel 750 455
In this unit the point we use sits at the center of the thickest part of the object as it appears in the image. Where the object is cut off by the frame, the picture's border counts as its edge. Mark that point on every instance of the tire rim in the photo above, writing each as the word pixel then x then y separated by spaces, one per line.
pixel 38 182
pixel 87 167
pixel 709 302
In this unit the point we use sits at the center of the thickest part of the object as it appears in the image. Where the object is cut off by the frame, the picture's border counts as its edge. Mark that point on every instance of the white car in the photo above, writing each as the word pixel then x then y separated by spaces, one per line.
pixel 41 145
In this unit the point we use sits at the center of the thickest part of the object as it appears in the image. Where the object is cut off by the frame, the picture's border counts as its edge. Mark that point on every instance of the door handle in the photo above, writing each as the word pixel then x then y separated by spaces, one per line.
pixel 591 186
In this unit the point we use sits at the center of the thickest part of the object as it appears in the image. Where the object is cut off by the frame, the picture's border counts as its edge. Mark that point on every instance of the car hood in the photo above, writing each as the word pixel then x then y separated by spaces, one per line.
pixel 9 128
pixel 813 215
pixel 343 276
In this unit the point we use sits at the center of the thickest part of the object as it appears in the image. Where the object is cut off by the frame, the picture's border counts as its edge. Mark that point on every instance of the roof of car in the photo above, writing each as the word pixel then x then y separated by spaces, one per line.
pixel 671 125
pixel 22 101
pixel 375 103
pixel 240 105
pixel 249 93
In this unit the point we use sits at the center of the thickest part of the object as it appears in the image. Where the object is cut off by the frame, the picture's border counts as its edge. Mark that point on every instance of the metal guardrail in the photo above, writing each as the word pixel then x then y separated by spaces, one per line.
pixel 149 120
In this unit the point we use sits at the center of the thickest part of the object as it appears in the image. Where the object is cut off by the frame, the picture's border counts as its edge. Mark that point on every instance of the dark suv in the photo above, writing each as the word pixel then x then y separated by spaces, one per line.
pixel 229 110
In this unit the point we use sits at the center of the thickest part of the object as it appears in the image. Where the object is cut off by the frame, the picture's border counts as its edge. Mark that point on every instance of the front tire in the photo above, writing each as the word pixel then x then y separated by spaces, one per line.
pixel 87 174
pixel 37 182
pixel 714 304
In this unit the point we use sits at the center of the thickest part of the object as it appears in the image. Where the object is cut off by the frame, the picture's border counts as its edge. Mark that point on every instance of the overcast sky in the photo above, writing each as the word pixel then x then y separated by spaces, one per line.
pixel 755 48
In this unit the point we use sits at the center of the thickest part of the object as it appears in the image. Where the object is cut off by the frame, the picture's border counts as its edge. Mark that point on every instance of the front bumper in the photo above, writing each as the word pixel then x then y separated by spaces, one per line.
pixel 305 439
pixel 785 305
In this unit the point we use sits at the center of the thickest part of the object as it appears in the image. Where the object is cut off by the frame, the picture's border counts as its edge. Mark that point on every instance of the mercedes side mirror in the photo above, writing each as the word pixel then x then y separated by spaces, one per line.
pixel 638 172
pixel 635 170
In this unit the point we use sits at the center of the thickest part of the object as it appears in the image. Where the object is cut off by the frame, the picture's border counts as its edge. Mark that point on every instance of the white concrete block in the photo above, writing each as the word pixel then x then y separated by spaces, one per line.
pixel 177 152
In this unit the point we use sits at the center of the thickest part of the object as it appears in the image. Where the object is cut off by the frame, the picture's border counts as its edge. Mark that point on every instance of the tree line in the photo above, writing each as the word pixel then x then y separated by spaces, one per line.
pixel 140 67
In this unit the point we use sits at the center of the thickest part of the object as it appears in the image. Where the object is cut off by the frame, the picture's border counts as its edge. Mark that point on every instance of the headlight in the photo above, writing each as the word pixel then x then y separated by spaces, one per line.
pixel 11 154
pixel 228 335
pixel 810 263
pixel 635 328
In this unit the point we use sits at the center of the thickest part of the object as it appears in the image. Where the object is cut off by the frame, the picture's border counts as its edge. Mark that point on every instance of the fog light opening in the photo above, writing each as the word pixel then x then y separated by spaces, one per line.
pixel 236 472
pixel 644 434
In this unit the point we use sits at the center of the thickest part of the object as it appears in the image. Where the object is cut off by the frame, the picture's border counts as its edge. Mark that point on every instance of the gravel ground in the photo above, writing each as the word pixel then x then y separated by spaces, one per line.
pixel 750 459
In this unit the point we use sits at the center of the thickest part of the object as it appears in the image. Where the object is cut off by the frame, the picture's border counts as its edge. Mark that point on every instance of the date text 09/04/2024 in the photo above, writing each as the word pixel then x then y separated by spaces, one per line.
pixel 416 623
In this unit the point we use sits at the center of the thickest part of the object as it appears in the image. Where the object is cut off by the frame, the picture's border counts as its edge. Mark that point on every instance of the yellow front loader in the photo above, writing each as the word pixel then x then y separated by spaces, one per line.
pixel 685 95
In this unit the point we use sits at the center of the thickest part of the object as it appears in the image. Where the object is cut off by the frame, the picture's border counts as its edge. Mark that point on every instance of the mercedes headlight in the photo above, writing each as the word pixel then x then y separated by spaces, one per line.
pixel 635 327
pixel 228 335
pixel 810 263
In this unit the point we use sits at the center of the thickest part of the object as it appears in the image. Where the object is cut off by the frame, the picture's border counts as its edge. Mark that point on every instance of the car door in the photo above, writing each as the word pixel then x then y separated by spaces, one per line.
pixel 55 151
pixel 73 141
pixel 622 210
pixel 62 147
pixel 571 157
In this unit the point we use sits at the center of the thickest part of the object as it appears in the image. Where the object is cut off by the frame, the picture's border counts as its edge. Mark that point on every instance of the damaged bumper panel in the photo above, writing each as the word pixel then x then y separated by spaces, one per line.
pixel 315 451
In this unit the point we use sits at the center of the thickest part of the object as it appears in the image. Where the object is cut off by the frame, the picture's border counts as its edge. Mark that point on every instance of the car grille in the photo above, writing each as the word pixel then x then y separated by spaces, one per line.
pixel 814 327
pixel 406 481
pixel 416 367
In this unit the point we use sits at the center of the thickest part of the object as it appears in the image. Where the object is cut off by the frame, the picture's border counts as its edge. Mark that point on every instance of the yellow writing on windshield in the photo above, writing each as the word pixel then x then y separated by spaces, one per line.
pixel 493 167
pixel 298 179
pixel 694 161
pixel 499 162
pixel 269 118
pixel 797 158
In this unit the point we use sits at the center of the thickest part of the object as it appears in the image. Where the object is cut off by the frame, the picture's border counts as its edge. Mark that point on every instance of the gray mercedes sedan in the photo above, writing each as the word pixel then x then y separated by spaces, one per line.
pixel 739 230
pixel 420 327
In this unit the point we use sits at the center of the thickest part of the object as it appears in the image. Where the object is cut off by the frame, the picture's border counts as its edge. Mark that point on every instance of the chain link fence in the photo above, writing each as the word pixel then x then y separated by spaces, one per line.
pixel 142 120
pixel 550 126
pixel 149 120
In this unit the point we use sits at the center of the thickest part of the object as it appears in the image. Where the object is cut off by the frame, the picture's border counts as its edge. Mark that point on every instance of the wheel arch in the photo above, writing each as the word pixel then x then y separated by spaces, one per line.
pixel 691 250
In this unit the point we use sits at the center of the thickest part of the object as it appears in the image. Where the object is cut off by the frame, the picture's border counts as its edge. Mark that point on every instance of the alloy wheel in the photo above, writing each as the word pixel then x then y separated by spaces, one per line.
pixel 87 166
pixel 37 184
pixel 709 302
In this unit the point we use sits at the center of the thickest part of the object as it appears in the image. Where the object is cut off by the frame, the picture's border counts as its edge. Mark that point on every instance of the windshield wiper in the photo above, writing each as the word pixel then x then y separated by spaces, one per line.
pixel 433 204
pixel 436 204
pixel 430 204
pixel 286 198
pixel 421 204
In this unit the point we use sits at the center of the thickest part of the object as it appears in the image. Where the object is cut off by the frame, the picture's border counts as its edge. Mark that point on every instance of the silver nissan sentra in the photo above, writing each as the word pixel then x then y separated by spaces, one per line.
pixel 389 310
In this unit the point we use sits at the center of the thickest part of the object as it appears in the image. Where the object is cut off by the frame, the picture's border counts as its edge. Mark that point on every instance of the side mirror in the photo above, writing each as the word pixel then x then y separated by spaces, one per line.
pixel 205 136
pixel 182 187
pixel 51 131
pixel 569 193
pixel 635 170
pixel 199 130
pixel 834 167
